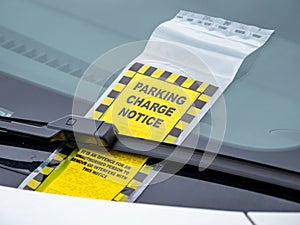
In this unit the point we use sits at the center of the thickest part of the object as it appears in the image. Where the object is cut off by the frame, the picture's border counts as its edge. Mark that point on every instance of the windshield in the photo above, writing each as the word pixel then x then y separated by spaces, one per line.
pixel 45 47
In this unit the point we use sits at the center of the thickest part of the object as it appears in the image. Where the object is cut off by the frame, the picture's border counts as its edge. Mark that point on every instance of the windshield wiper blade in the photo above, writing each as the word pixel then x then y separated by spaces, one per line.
pixel 71 129
pixel 79 130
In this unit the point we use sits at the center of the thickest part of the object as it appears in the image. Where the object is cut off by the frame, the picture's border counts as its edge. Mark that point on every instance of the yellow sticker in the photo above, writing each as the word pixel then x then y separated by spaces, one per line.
pixel 153 103
pixel 93 174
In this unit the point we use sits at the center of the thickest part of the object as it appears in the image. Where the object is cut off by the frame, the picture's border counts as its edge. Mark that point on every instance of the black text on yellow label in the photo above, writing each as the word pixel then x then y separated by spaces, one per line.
pixel 153 104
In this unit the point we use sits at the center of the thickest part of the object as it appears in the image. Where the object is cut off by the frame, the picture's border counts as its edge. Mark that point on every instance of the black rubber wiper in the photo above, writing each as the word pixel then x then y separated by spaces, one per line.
pixel 70 129
pixel 78 130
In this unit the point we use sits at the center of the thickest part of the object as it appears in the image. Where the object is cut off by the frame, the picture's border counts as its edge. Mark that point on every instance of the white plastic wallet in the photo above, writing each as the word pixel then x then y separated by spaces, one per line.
pixel 203 48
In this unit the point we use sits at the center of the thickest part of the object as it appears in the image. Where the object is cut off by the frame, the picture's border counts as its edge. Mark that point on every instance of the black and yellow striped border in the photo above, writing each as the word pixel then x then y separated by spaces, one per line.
pixel 134 184
pixel 205 90
pixel 46 171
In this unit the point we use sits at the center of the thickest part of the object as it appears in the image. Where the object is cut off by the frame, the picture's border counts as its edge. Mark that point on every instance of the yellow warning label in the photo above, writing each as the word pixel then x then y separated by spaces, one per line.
pixel 93 174
pixel 154 104
pixel 149 108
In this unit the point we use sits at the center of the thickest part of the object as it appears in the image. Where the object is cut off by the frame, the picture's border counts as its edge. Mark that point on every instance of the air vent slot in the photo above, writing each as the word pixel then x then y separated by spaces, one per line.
pixel 41 53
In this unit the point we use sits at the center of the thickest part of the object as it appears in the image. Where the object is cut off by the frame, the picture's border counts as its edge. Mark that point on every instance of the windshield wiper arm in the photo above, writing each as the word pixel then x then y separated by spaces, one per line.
pixel 71 129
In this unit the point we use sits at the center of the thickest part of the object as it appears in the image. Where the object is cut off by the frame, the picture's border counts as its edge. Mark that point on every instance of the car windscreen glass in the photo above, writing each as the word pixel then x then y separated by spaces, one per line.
pixel 51 43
